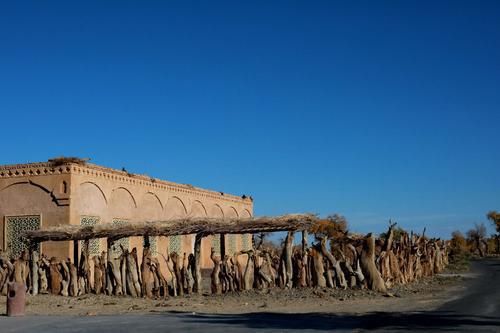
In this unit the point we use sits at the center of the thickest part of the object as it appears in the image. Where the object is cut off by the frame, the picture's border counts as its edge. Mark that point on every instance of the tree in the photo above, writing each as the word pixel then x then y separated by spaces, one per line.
pixel 494 217
pixel 476 238
pixel 333 226
pixel 458 244
pixel 478 232
pixel 397 233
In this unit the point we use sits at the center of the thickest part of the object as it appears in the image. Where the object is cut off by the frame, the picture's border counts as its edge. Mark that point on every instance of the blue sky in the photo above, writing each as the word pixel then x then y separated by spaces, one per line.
pixel 373 110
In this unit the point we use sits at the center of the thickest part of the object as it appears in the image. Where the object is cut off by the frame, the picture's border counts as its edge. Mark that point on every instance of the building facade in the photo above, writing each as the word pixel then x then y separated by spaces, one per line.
pixel 64 191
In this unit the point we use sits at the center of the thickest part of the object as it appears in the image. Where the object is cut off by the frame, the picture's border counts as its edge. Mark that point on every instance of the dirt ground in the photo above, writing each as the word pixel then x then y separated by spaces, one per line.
pixel 423 295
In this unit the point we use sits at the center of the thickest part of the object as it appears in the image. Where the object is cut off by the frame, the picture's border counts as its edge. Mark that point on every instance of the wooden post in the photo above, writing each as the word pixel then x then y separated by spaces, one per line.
pixel 76 253
pixel 86 244
pixel 197 264
pixel 222 245
pixel 34 268
pixel 288 259
pixel 304 242
pixel 305 270
pixel 368 267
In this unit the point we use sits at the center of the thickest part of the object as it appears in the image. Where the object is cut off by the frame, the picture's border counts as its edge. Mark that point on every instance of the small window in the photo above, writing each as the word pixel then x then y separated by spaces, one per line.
pixel 64 187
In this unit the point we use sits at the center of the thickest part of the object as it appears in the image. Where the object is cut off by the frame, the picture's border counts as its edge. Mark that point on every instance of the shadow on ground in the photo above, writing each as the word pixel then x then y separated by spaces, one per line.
pixel 438 320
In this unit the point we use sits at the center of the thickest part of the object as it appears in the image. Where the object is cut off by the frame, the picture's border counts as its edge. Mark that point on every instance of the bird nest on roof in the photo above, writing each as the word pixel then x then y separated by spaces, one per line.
pixel 57 161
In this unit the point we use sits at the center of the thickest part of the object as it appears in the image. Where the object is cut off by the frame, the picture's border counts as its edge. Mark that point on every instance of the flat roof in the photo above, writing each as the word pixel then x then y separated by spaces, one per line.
pixel 71 165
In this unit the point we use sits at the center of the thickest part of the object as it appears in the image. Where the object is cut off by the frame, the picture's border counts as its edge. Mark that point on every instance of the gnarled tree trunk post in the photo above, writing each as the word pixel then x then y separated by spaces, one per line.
pixel 73 284
pixel 76 253
pixel 216 284
pixel 318 268
pixel 356 265
pixel 222 245
pixel 85 266
pixel 43 267
pixel 66 279
pixel 287 257
pixel 248 275
pixel 146 273
pixel 306 272
pixel 34 271
pixel 97 275
pixel 176 264
pixel 339 274
pixel 197 264
pixel 304 241
pixel 370 272
pixel 55 277
pixel 114 270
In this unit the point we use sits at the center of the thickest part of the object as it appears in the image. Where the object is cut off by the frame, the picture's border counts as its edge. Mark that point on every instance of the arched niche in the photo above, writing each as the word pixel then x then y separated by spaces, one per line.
pixel 215 211
pixel 150 208
pixel 245 213
pixel 28 199
pixel 231 213
pixel 25 198
pixel 198 209
pixel 122 204
pixel 246 239
pixel 175 208
pixel 89 199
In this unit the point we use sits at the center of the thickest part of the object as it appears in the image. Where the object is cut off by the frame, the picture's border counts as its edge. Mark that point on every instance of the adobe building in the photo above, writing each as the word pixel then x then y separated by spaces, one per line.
pixel 72 191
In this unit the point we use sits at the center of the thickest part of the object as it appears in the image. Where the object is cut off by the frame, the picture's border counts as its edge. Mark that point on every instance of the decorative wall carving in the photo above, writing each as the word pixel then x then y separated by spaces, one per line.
pixel 246 242
pixel 231 242
pixel 125 242
pixel 14 227
pixel 94 244
pixel 174 244
pixel 216 243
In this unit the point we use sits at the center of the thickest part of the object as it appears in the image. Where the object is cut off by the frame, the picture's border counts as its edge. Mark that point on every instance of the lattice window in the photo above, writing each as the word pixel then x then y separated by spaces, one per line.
pixel 174 244
pixel 246 242
pixel 153 245
pixel 216 243
pixel 14 227
pixel 94 244
pixel 125 242
pixel 231 244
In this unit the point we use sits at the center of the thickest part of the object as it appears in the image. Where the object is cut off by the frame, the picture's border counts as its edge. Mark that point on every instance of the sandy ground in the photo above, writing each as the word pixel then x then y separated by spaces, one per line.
pixel 426 294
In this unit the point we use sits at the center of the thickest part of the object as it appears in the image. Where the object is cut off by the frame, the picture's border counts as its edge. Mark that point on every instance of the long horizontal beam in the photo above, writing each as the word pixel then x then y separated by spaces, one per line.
pixel 184 226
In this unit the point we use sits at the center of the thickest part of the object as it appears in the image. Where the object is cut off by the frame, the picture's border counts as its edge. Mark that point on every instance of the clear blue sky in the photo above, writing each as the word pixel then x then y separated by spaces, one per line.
pixel 373 110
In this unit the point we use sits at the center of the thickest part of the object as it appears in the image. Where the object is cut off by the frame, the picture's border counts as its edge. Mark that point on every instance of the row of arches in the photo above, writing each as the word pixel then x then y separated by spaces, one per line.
pixel 122 203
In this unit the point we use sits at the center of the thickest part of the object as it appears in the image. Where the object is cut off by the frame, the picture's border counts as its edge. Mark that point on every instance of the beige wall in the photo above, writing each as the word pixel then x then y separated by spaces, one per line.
pixel 36 191
pixel 109 194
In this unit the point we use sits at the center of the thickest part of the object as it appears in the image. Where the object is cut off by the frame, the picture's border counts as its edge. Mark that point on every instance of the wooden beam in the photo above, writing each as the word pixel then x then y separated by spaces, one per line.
pixel 186 226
